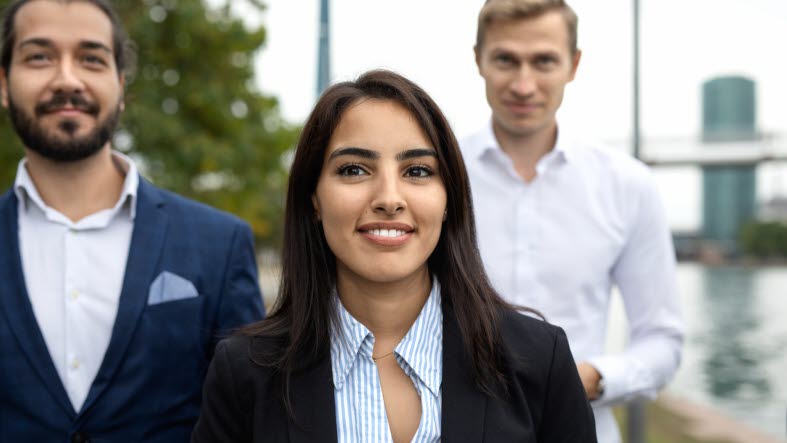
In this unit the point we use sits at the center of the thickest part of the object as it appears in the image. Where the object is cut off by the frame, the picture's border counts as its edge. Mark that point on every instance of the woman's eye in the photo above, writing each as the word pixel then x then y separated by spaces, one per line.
pixel 351 170
pixel 419 172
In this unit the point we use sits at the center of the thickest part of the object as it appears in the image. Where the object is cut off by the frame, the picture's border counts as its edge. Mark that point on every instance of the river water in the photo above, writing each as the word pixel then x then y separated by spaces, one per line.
pixel 735 355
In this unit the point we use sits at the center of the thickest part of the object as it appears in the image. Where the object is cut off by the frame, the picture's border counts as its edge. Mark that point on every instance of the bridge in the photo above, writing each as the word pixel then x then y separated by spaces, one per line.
pixel 677 152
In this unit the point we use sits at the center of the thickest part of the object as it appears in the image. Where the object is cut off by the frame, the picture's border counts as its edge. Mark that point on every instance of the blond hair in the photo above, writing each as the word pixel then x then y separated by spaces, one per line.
pixel 511 10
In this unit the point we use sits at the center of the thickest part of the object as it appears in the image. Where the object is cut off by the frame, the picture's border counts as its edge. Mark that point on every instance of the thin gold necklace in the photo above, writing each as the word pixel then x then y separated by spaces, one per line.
pixel 382 356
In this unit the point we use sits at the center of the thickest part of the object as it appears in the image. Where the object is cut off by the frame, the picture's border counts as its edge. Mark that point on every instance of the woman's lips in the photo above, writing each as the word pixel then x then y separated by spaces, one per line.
pixel 387 237
pixel 386 234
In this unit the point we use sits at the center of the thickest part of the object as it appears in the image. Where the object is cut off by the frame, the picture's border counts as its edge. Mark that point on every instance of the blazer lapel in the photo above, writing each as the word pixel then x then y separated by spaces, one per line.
pixel 15 305
pixel 313 404
pixel 147 240
pixel 464 405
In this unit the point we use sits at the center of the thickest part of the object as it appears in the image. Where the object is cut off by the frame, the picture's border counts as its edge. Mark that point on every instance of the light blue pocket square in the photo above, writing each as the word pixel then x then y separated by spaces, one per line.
pixel 170 287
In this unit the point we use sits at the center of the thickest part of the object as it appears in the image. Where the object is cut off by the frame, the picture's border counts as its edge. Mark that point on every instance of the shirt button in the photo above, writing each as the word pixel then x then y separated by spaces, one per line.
pixel 75 364
pixel 74 294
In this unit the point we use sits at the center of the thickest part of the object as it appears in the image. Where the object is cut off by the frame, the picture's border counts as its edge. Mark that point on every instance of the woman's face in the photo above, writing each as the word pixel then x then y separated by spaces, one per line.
pixel 380 196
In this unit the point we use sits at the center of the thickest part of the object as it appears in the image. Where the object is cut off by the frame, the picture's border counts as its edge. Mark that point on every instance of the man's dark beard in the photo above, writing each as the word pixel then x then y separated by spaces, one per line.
pixel 57 148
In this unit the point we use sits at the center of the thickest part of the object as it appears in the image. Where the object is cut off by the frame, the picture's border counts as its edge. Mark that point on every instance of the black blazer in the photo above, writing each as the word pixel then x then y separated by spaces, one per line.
pixel 242 401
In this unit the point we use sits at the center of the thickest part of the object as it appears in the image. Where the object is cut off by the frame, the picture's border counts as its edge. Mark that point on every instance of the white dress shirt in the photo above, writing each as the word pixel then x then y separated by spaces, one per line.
pixel 360 409
pixel 74 274
pixel 591 219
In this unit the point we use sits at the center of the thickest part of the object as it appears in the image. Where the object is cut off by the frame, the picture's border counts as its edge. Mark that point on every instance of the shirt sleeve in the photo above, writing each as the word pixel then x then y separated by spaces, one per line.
pixel 645 275
pixel 241 300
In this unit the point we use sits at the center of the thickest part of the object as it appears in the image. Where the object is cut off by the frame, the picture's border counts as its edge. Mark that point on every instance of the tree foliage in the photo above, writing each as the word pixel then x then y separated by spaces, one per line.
pixel 194 120
pixel 764 239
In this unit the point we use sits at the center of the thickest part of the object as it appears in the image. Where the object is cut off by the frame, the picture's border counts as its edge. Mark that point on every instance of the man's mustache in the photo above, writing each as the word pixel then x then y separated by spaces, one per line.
pixel 62 99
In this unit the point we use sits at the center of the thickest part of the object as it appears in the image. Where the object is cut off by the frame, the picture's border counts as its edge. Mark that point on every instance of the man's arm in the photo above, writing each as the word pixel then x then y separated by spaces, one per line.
pixel 645 275
pixel 591 380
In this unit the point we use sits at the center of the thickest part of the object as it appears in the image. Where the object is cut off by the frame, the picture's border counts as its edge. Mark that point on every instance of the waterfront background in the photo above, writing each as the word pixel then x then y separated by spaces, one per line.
pixel 735 355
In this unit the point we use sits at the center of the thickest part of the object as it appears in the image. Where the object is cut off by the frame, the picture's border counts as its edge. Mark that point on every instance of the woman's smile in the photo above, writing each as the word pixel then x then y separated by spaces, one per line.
pixel 386 234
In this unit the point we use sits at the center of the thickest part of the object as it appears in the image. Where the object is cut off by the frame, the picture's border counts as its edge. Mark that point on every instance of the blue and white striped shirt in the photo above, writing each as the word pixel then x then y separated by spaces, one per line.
pixel 360 410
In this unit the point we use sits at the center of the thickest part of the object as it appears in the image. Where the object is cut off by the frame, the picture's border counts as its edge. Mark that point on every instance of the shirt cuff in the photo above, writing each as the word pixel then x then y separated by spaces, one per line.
pixel 616 374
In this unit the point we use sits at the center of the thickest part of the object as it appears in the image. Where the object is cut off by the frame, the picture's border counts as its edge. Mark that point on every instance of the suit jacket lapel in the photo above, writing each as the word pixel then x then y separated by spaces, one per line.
pixel 15 305
pixel 463 404
pixel 313 404
pixel 147 240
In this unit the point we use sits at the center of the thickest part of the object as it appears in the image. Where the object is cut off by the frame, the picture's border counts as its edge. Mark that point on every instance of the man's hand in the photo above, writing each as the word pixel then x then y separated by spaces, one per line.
pixel 590 379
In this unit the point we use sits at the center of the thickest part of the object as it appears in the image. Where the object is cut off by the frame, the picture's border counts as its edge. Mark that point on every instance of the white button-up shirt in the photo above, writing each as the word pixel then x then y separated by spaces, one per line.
pixel 74 274
pixel 590 220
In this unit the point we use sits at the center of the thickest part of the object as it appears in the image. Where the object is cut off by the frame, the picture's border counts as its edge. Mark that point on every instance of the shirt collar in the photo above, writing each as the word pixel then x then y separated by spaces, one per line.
pixel 421 348
pixel 488 144
pixel 562 145
pixel 26 191
pixel 347 336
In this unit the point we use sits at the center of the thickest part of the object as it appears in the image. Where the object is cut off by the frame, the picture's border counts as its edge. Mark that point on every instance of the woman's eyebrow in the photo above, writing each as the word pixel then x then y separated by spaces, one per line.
pixel 357 152
pixel 374 155
pixel 413 153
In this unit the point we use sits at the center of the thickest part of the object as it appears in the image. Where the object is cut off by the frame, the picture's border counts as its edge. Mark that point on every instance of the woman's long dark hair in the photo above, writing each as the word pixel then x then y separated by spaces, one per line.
pixel 301 317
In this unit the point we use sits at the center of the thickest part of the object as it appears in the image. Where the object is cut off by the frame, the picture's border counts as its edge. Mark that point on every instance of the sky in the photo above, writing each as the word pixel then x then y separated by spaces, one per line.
pixel 683 43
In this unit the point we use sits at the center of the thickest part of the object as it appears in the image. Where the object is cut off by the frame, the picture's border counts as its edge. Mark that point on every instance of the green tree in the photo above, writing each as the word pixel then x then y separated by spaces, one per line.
pixel 764 239
pixel 195 120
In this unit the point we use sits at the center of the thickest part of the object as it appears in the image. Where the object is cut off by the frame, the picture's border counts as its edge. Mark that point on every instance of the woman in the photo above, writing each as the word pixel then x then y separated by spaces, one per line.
pixel 386 328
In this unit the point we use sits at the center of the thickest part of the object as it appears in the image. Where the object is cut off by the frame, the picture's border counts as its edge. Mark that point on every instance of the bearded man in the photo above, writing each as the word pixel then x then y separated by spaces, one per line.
pixel 113 291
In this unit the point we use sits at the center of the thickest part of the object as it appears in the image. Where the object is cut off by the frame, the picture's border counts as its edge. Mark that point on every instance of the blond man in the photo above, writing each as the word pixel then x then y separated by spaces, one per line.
pixel 561 221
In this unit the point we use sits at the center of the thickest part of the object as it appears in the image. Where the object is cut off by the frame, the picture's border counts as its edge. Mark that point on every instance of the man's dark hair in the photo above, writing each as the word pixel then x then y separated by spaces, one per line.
pixel 122 46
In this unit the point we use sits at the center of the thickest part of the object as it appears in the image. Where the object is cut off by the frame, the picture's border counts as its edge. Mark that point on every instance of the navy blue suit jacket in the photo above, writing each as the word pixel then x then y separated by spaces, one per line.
pixel 149 384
